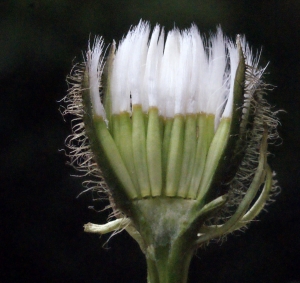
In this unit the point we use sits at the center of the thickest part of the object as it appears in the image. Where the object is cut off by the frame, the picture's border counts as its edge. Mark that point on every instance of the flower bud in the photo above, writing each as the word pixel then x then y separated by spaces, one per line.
pixel 174 131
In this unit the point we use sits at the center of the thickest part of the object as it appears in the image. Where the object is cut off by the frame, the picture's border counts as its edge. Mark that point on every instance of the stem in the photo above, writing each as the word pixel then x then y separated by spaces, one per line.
pixel 164 224
pixel 171 264
pixel 152 271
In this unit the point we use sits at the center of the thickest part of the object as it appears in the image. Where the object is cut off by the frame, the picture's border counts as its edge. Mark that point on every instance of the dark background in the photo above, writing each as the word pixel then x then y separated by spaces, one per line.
pixel 42 238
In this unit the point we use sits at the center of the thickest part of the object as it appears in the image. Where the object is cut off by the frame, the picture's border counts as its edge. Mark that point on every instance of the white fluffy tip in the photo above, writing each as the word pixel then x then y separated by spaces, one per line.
pixel 95 66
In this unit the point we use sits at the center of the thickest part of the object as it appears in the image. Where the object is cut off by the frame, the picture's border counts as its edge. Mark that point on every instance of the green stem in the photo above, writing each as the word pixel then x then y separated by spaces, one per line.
pixel 167 228
pixel 152 271
pixel 171 263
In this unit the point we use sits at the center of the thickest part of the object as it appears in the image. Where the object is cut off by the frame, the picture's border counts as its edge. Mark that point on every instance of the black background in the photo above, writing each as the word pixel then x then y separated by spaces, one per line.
pixel 42 238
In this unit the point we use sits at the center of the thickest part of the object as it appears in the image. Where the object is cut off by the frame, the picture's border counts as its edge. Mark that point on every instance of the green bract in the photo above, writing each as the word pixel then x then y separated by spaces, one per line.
pixel 175 134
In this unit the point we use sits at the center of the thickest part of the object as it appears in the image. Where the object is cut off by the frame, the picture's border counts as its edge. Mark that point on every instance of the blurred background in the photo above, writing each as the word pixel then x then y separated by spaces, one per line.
pixel 42 238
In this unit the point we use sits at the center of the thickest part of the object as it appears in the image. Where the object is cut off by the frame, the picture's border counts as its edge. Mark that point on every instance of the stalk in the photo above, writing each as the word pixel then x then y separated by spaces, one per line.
pixel 168 228
pixel 171 264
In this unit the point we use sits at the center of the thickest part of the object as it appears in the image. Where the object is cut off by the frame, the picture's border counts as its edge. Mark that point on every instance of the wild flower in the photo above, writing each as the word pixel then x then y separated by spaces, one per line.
pixel 174 132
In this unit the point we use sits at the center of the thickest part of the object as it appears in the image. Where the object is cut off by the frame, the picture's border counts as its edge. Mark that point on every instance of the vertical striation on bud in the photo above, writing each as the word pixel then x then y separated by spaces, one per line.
pixel 174 131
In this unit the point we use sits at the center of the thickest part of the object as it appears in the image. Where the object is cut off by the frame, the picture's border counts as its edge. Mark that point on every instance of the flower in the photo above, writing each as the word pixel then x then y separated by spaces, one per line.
pixel 176 133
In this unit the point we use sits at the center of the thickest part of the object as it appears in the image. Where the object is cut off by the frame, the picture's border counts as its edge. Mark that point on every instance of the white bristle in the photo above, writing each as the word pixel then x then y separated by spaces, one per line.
pixel 95 65
pixel 215 87
pixel 234 61
pixel 152 69
pixel 169 73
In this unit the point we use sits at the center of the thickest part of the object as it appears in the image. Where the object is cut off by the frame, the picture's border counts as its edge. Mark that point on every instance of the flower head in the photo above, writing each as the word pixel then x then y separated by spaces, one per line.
pixel 175 127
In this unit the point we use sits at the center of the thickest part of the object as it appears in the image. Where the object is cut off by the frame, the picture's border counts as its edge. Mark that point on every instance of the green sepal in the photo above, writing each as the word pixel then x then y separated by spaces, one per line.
pixel 168 123
pixel 200 155
pixel 238 141
pixel 126 148
pixel 115 129
pixel 106 153
pixel 114 160
pixel 200 216
pixel 154 151
pixel 139 150
pixel 209 129
pixel 225 141
pixel 259 204
pixel 234 221
pixel 189 154
pixel 175 156
pixel 215 153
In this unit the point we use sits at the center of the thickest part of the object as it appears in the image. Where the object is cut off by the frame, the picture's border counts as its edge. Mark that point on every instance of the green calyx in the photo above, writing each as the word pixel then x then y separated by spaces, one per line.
pixel 154 157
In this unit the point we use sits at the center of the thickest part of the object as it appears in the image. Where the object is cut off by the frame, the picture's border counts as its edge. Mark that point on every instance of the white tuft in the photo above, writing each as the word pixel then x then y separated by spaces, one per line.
pixel 152 69
pixel 136 66
pixel 118 82
pixel 169 73
pixel 216 87
pixel 95 64
pixel 234 61
pixel 128 70
pixel 200 67
pixel 183 73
